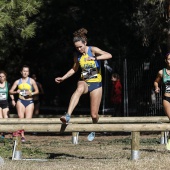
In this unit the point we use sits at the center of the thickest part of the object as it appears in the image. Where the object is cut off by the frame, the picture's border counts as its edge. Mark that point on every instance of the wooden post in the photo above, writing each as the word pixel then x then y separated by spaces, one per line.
pixel 17 154
pixel 75 137
pixel 135 145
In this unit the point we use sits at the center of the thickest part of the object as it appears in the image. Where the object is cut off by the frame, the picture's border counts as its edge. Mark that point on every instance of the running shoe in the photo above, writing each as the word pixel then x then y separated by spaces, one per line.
pixel 91 136
pixel 22 139
pixel 65 119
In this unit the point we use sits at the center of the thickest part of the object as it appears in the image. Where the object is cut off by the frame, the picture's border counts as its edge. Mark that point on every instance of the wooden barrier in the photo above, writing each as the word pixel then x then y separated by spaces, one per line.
pixel 149 119
pixel 135 125
pixel 144 127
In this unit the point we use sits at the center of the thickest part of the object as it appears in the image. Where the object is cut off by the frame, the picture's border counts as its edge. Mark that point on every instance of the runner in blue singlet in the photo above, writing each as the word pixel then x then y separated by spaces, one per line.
pixel 88 58
pixel 23 87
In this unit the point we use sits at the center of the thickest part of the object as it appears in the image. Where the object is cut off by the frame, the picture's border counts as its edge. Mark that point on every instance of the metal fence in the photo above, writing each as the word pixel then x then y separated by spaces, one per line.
pixel 142 100
pixel 138 90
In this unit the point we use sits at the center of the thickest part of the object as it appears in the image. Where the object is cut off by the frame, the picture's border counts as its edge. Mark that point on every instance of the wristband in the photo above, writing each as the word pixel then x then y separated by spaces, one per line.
pixel 32 93
pixel 95 57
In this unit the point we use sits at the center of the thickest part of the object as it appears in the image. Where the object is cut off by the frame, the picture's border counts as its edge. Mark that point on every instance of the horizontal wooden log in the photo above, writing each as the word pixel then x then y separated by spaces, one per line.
pixel 85 128
pixel 149 119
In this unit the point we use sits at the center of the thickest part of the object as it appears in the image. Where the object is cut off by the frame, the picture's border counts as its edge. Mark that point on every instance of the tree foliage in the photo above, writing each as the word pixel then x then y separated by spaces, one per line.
pixel 39 32
pixel 122 27
pixel 16 27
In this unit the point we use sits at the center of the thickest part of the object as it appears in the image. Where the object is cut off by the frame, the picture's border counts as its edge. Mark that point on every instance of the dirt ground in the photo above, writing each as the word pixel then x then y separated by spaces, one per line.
pixel 107 151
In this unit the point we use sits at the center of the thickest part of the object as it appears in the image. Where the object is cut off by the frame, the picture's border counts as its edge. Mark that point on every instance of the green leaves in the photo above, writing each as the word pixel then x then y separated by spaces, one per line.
pixel 5 20
pixel 17 26
pixel 28 31
pixel 16 15
pixel 31 8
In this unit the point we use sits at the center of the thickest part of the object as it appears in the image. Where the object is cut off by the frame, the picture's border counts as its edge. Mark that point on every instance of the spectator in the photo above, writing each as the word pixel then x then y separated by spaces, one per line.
pixel 116 94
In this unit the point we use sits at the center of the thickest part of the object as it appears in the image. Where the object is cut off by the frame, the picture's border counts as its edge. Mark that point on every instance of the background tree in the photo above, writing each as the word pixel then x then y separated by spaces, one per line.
pixel 39 33
pixel 16 27
pixel 131 29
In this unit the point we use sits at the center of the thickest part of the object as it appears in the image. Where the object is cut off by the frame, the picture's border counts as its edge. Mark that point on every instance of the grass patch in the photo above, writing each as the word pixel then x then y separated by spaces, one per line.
pixel 127 141
pixel 6 149
pixel 107 152
pixel 33 152
pixel 32 149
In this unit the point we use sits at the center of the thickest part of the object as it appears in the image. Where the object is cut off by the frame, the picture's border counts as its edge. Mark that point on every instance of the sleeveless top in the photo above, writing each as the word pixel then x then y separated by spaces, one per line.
pixel 4 92
pixel 166 81
pixel 23 87
pixel 91 70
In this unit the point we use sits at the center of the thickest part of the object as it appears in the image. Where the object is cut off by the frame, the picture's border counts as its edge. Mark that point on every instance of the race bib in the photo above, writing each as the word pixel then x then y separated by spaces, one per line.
pixel 89 73
pixel 23 93
pixel 3 96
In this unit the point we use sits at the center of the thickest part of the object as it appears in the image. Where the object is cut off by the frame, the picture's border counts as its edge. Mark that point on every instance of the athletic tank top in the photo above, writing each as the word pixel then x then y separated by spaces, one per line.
pixel 166 81
pixel 38 85
pixel 4 92
pixel 23 87
pixel 91 70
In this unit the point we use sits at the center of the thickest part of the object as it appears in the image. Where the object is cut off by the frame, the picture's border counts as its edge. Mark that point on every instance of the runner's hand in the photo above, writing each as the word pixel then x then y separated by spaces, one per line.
pixel 90 58
pixel 58 80
pixel 157 90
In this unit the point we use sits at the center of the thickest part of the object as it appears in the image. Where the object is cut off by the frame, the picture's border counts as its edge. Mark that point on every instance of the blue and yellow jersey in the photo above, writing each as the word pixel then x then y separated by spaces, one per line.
pixel 24 86
pixel 91 70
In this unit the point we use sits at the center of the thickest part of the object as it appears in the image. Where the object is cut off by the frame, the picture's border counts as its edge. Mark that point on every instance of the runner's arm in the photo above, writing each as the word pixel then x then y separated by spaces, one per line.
pixel 157 81
pixel 70 72
pixel 100 54
pixel 34 84
pixel 14 86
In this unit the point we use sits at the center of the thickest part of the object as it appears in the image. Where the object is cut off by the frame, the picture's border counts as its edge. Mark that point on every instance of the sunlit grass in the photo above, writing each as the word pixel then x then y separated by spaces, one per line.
pixel 105 152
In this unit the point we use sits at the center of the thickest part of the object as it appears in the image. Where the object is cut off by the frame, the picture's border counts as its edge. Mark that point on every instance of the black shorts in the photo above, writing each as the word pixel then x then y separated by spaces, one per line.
pixel 166 98
pixel 4 104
